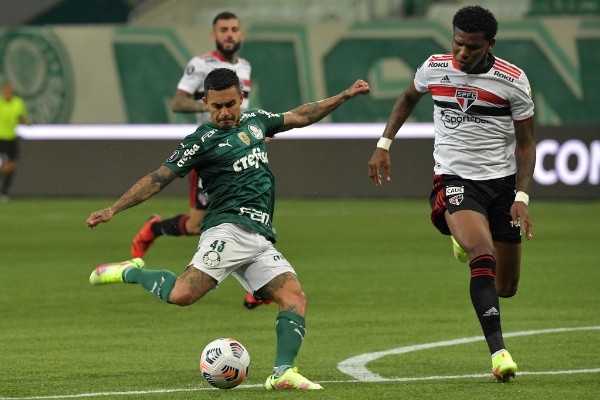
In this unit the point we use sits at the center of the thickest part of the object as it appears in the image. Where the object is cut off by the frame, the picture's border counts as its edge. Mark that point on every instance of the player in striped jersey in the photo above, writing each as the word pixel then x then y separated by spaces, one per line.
pixel 484 152
pixel 228 36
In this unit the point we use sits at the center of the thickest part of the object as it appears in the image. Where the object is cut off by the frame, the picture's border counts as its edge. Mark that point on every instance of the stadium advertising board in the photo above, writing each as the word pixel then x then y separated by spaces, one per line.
pixel 567 167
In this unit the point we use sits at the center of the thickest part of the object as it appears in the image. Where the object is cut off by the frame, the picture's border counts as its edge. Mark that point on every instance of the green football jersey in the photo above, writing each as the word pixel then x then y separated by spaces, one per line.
pixel 233 167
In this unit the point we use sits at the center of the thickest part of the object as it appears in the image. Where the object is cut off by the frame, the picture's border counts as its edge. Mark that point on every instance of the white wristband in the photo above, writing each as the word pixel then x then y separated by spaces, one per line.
pixel 384 143
pixel 522 196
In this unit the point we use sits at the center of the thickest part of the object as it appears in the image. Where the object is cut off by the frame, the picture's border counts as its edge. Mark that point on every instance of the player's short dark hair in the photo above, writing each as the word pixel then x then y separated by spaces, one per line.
pixel 224 15
pixel 221 79
pixel 473 19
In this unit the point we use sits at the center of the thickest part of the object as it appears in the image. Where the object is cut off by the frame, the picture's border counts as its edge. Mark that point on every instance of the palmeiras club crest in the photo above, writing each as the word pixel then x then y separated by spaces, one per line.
pixel 39 67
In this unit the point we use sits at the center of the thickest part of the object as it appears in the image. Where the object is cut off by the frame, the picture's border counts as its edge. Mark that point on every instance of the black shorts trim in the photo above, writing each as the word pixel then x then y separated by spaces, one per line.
pixel 493 198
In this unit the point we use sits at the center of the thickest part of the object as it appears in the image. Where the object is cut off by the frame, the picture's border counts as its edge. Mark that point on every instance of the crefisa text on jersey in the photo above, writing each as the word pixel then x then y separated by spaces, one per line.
pixel 251 160
pixel 187 154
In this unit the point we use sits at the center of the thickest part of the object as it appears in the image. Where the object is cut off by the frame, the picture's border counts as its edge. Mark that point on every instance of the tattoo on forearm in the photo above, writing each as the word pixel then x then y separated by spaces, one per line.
pixel 157 177
pixel 142 190
pixel 317 110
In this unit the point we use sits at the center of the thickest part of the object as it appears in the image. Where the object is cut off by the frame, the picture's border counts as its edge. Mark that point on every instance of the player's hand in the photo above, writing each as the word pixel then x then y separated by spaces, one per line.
pixel 358 87
pixel 520 215
pixel 97 217
pixel 380 159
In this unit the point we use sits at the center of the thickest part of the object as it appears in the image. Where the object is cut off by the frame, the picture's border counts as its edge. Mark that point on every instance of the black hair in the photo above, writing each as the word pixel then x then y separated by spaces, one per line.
pixel 224 15
pixel 473 19
pixel 221 79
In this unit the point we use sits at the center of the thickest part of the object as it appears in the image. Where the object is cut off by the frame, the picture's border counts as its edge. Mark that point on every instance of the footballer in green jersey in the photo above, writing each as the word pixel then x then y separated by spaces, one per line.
pixel 234 169
pixel 230 157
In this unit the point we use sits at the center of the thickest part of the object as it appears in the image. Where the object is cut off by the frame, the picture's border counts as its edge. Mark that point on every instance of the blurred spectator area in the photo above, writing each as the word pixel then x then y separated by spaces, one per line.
pixel 57 12
pixel 194 12
pixel 166 12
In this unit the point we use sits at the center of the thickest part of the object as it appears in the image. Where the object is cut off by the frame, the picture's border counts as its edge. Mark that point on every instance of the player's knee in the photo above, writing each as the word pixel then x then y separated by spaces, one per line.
pixel 292 300
pixel 192 225
pixel 508 291
pixel 182 297
pixel 192 229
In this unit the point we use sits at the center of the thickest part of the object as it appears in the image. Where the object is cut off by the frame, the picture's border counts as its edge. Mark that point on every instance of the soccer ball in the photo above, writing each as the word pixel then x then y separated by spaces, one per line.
pixel 224 363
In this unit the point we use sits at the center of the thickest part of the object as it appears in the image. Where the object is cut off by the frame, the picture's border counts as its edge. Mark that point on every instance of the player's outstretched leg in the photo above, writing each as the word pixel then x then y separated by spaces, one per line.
pixel 113 272
pixel 458 251
pixel 144 238
pixel 251 302
pixel 291 379
pixel 503 366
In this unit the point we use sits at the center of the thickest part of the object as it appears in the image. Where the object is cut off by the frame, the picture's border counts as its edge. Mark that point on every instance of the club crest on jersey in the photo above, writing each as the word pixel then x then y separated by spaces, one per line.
pixel 244 138
pixel 456 200
pixel 211 258
pixel 465 98
pixel 255 131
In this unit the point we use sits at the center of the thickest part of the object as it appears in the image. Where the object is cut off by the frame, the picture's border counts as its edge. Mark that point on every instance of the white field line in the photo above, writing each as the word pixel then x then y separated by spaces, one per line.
pixel 203 389
pixel 356 365
pixel 357 369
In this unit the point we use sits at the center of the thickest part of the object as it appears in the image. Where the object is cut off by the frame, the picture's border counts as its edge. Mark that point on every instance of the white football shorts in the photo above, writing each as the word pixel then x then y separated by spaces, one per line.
pixel 234 249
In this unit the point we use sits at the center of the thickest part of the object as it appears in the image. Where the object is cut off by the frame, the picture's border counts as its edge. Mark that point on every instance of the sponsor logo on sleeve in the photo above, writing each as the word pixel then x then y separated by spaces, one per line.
pixel 452 190
pixel 268 114
pixel 504 76
pixel 187 155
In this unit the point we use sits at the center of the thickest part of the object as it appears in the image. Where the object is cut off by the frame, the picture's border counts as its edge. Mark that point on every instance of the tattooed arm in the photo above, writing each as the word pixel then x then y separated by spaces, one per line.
pixel 310 113
pixel 143 189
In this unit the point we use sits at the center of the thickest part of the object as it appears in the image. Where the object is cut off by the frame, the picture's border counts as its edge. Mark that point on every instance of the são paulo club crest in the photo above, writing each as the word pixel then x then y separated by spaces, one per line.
pixel 465 98
pixel 456 200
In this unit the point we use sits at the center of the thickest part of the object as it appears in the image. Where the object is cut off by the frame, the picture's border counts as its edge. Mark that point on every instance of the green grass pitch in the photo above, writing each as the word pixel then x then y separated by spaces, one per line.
pixel 378 277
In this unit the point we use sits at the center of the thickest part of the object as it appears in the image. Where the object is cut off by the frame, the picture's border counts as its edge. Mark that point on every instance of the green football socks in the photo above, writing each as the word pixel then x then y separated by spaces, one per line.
pixel 158 282
pixel 290 328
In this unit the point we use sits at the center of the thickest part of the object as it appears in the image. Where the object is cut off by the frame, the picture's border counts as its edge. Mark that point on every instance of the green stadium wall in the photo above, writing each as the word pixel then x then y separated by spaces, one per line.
pixel 84 75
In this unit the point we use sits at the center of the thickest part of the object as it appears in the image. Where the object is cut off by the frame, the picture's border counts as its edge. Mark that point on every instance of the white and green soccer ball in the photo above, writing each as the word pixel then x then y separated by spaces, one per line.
pixel 224 363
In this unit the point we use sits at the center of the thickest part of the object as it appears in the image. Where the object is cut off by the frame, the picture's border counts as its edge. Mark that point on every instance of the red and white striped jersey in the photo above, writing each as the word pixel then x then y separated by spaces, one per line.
pixel 198 67
pixel 473 116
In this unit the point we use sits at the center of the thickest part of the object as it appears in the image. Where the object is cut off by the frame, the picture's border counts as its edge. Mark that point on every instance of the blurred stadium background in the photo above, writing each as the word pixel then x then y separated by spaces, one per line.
pixel 108 62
